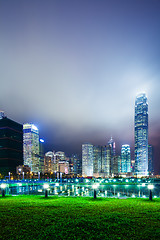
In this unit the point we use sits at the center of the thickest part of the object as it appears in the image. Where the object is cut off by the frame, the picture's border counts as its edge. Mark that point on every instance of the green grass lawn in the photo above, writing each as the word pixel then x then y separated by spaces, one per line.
pixel 36 217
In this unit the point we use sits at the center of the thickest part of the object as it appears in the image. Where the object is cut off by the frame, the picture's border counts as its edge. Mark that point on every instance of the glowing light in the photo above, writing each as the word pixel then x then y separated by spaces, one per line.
pixel 56 184
pixel 3 185
pixel 46 185
pixel 118 194
pixel 133 196
pixel 143 184
pixel 95 186
pixel 150 186
pixel 41 140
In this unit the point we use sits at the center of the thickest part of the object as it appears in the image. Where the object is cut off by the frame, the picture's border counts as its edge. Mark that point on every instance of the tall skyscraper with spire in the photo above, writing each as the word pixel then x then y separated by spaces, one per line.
pixel 141 135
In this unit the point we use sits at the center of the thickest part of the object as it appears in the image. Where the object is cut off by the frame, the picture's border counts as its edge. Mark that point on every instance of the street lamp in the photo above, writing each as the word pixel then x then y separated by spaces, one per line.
pixel 3 186
pixel 150 187
pixel 95 186
pixel 46 186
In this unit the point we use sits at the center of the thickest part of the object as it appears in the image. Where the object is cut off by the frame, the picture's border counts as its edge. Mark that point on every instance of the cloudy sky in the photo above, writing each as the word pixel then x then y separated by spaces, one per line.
pixel 75 67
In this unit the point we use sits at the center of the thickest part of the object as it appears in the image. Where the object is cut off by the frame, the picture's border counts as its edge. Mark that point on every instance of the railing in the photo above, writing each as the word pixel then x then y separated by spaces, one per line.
pixel 82 188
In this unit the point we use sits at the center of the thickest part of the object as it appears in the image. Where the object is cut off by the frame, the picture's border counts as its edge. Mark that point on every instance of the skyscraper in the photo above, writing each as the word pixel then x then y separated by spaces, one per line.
pixel 106 160
pixel 87 159
pixel 31 146
pixel 141 135
pixel 150 159
pixel 97 159
pixel 11 145
pixel 125 158
pixel 112 146
pixel 41 155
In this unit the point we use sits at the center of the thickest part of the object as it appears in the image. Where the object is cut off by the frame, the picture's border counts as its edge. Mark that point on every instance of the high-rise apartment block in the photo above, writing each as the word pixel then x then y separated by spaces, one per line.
pixel 141 135
pixel 125 159
pixel 31 147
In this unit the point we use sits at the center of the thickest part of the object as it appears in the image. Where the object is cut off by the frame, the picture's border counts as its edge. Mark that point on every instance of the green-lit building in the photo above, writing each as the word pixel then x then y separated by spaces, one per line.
pixel 11 145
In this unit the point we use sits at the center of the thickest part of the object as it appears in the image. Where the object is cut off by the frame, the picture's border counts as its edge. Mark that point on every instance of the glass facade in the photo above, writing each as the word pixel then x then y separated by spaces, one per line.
pixel 106 160
pixel 97 159
pixel 150 159
pixel 112 146
pixel 125 158
pixel 11 146
pixel 87 159
pixel 141 135
pixel 31 147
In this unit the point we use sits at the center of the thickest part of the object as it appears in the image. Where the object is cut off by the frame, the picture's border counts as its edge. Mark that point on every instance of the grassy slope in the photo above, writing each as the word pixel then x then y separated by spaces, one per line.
pixel 34 217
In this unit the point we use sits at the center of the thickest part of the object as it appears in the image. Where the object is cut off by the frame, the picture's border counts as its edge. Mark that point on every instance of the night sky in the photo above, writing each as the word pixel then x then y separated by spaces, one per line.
pixel 74 68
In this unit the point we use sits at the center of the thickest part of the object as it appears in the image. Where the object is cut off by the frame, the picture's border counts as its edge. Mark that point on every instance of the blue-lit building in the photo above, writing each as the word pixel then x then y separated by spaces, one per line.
pixel 150 160
pixel 141 135
pixel 31 147
pixel 87 159
pixel 125 159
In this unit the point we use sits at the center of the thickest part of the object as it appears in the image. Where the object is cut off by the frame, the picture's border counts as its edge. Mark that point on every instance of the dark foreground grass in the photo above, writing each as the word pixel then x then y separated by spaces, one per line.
pixel 35 217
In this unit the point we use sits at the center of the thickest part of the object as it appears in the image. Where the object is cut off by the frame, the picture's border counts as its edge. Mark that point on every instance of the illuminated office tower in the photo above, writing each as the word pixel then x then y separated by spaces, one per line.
pixel 116 165
pixel 49 162
pixel 125 158
pixel 112 146
pixel 106 160
pixel 150 159
pixel 97 159
pixel 141 135
pixel 77 164
pixel 31 146
pixel 41 155
pixel 87 159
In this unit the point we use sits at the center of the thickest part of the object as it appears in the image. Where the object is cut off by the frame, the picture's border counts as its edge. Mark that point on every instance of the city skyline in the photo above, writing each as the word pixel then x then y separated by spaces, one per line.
pixel 74 69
